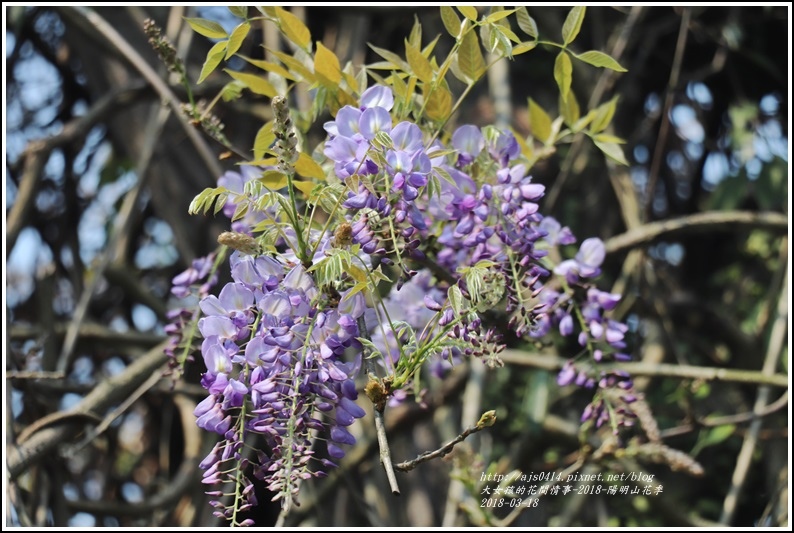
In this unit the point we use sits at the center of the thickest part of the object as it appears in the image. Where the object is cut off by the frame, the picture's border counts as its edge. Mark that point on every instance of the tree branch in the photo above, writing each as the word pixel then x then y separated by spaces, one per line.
pixel 701 222
pixel 486 420
pixel 553 363
pixel 38 153
pixel 105 395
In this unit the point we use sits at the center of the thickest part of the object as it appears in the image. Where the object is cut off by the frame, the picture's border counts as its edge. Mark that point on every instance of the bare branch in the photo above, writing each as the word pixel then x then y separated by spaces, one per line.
pixel 486 420
pixel 700 222
pixel 106 394
pixel 552 363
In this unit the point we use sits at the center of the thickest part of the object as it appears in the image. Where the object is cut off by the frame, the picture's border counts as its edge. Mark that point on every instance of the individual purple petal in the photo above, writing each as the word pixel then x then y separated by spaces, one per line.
pixel 342 436
pixel 378 96
pixel 351 407
pixel 347 121
pixel 373 120
pixel 566 375
pixel 468 140
pixel 219 326
pixel 335 451
pixel 566 325
pixel 235 296
pixel 406 137
pixel 591 253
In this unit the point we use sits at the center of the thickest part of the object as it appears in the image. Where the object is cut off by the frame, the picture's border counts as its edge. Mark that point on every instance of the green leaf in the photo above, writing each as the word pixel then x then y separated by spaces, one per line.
pixel 718 435
pixel 308 168
pixel 563 73
pixel 275 68
pixel 294 28
pixel 456 300
pixel 607 138
pixel 239 11
pixel 469 12
pixel 273 180
pixel 295 66
pixel 569 109
pixel 391 57
pixel 603 116
pixel 451 20
pixel 256 84
pixel 236 39
pixel 539 122
pixel 326 66
pixel 439 102
pixel 207 28
pixel 526 23
pixel 612 151
pixel 419 64
pixel 264 140
pixel 572 24
pixel 498 15
pixel 214 58
pixel 232 91
pixel 470 59
pixel 600 59
pixel 524 47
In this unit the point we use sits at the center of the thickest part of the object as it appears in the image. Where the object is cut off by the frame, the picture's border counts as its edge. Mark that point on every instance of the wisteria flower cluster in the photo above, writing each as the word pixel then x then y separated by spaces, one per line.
pixel 285 340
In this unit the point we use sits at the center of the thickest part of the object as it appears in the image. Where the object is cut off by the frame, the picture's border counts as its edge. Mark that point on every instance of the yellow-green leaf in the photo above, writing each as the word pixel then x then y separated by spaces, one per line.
pixel 214 58
pixel 539 122
pixel 607 138
pixel 569 109
pixel 524 47
pixel 239 11
pixel 470 59
pixel 207 28
pixel 600 59
pixel 273 179
pixel 469 12
pixel 295 66
pixel 236 38
pixel 308 168
pixel 439 103
pixel 603 116
pixel 356 273
pixel 419 64
pixel 450 20
pixel 572 24
pixel 294 28
pixel 563 73
pixel 264 140
pixel 526 23
pixel 391 57
pixel 612 151
pixel 257 84
pixel 498 15
pixel 306 187
pixel 275 68
pixel 326 66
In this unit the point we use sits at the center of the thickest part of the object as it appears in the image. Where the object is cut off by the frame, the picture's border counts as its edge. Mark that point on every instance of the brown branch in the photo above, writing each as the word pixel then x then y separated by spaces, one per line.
pixel 380 425
pixel 185 478
pixel 486 420
pixel 700 222
pixel 88 332
pixel 661 139
pixel 105 395
pixel 38 153
pixel 551 362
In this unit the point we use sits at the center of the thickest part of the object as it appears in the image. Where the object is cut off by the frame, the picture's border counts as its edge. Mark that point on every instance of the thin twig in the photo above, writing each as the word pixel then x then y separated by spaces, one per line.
pixel 38 153
pixel 700 222
pixel 117 412
pixel 34 374
pixel 745 458
pixel 486 420
pixel 661 139
pixel 380 425
pixel 552 362
pixel 106 394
